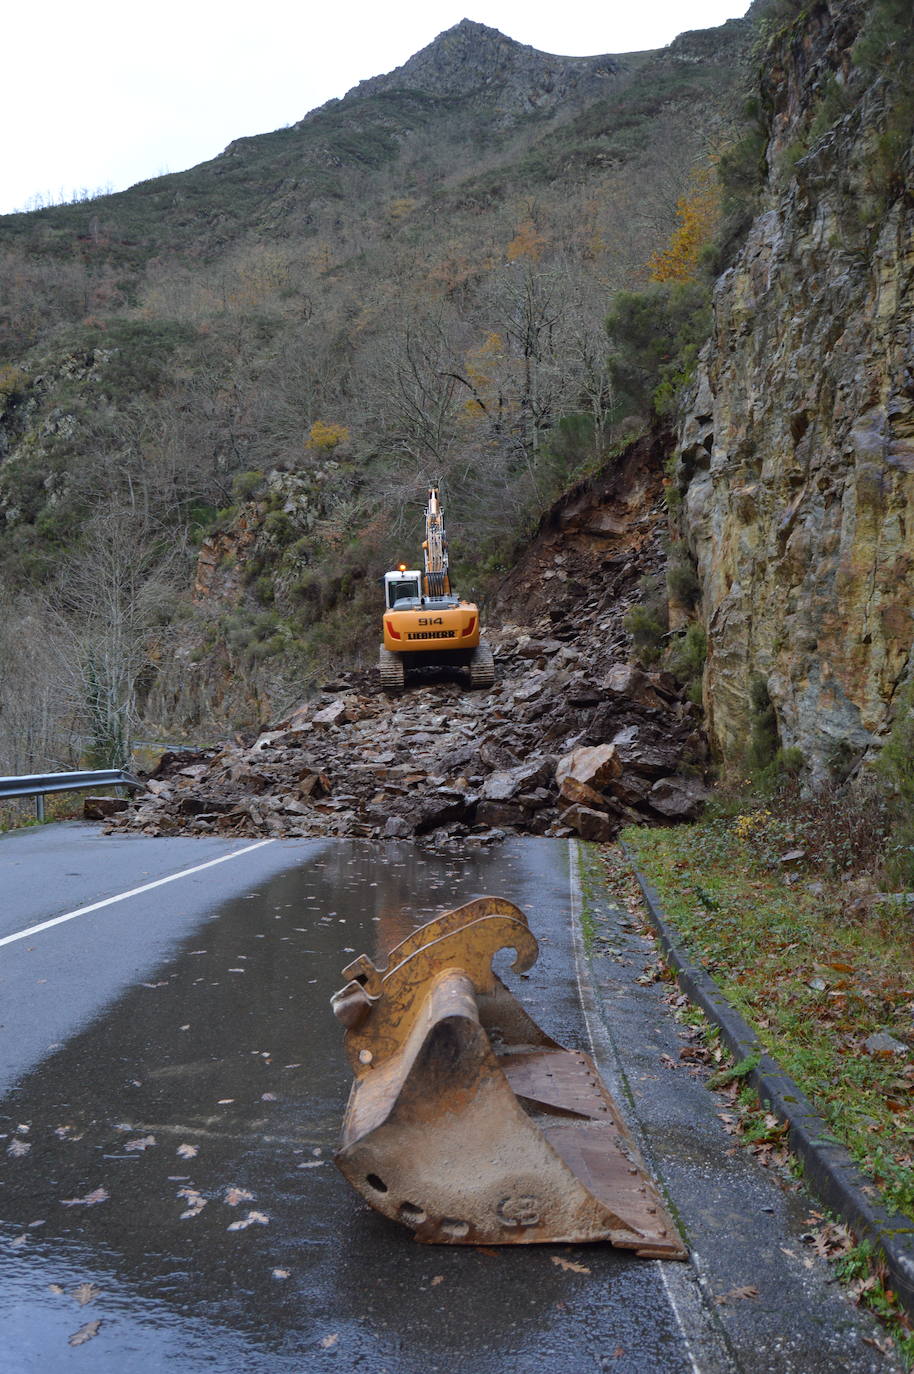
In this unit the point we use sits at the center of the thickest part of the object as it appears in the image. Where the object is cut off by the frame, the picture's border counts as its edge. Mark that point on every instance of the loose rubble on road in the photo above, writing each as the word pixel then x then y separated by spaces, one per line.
pixel 572 739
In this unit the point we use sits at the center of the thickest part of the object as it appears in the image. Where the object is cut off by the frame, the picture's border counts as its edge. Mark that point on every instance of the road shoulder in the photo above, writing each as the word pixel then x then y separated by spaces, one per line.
pixel 773 1301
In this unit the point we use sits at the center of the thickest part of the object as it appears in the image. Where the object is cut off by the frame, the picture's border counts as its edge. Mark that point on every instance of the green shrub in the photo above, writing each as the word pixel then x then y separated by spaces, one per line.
pixel 137 354
pixel 682 575
pixel 647 631
pixel 245 484
pixel 686 657
pixel 655 336
pixel 884 51
pixel 280 527
pixel 764 737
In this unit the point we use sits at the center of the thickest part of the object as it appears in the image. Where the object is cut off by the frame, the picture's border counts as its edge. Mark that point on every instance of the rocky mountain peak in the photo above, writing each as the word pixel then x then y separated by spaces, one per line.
pixel 471 58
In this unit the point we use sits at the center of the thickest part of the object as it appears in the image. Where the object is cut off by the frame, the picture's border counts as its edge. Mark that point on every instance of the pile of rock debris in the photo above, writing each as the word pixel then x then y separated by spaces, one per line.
pixel 572 739
pixel 555 748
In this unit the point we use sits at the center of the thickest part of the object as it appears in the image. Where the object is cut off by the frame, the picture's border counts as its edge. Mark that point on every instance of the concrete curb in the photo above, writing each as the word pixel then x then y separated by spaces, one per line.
pixel 829 1169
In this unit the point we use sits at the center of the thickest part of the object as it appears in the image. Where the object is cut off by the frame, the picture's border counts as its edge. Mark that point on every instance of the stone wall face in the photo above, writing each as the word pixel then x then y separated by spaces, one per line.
pixel 797 450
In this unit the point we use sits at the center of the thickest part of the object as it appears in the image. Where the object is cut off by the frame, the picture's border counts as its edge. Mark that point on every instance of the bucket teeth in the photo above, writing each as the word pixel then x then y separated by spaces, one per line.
pixel 466 1122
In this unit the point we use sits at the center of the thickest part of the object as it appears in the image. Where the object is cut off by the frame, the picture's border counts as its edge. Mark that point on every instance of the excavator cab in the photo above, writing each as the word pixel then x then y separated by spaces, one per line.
pixel 402 586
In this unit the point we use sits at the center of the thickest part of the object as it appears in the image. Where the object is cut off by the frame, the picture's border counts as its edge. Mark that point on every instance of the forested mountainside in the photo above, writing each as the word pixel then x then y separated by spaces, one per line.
pixel 274 352
pixel 224 391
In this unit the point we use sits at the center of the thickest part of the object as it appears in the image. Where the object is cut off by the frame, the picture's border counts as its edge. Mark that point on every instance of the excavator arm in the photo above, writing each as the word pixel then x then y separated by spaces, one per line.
pixel 436 580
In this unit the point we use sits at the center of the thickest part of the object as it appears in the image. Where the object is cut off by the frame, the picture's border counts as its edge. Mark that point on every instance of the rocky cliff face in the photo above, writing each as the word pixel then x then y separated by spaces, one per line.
pixel 797 452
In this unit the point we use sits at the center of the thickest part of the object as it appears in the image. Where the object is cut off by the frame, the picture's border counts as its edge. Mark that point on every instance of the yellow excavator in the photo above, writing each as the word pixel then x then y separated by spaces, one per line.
pixel 426 624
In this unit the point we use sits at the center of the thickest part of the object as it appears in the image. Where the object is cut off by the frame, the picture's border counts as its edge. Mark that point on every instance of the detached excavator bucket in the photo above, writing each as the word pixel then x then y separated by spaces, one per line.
pixel 465 1121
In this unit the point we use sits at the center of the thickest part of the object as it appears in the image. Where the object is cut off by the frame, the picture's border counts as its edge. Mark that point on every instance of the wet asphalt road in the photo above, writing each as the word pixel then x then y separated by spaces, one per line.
pixel 197 1014
pixel 175 1050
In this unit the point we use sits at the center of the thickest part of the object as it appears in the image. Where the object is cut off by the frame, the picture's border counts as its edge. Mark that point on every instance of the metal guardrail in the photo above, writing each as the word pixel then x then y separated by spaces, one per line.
pixel 37 785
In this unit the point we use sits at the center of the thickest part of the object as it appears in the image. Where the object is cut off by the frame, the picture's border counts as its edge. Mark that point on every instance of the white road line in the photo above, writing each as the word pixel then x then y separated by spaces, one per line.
pixel 134 892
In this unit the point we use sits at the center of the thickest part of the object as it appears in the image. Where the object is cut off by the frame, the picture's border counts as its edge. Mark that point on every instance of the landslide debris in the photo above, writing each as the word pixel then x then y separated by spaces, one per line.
pixel 573 738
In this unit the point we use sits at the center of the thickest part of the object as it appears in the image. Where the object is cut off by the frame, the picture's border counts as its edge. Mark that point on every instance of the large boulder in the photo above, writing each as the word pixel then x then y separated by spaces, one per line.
pixel 590 765
pixel 652 757
pixel 680 798
pixel 100 808
pixel 590 824
pixel 626 682
pixel 575 791
pixel 441 808
pixel 500 813
pixel 334 714
pixel 506 783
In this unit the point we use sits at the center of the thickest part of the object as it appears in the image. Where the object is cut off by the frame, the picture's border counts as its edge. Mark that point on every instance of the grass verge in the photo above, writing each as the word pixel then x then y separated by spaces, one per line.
pixel 827 985
pixel 817 976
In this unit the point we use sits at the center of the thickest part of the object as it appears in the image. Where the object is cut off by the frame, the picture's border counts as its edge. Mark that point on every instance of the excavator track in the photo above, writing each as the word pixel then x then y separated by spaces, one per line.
pixel 393 671
pixel 482 666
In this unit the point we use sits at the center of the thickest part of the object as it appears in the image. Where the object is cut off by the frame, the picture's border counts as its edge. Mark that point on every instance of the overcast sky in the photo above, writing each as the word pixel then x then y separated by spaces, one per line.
pixel 108 93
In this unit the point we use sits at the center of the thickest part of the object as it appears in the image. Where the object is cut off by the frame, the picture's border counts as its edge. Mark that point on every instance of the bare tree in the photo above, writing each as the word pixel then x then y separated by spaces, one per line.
pixel 36 728
pixel 110 597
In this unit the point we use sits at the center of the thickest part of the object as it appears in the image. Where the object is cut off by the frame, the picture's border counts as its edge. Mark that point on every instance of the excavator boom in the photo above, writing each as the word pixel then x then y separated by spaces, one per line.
pixel 434 548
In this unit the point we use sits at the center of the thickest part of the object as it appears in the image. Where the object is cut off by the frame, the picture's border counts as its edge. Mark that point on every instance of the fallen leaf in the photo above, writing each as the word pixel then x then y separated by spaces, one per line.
pixel 252 1218
pixel 224 1101
pixel 97 1195
pixel 18 1243
pixel 311 1164
pixel 85 1292
pixel 54 1288
pixel 85 1333
pixel 268 1097
pixel 142 1142
pixel 328 1342
pixel 235 1195
pixel 188 1151
pixel 488 1251
pixel 746 1291
pixel 18 1148
pixel 570 1265
pixel 280 1273
pixel 195 1200
pixel 439 1278
pixel 831 1240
